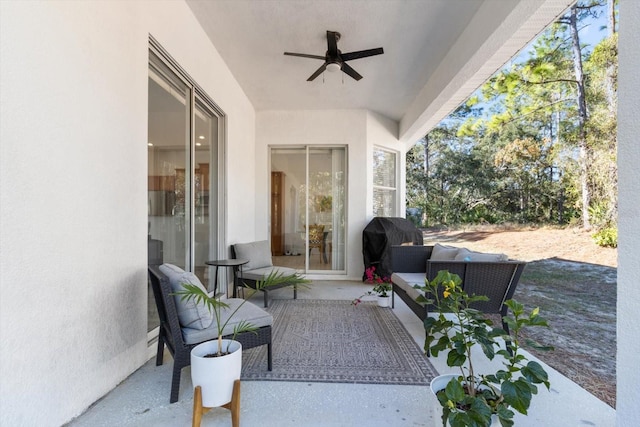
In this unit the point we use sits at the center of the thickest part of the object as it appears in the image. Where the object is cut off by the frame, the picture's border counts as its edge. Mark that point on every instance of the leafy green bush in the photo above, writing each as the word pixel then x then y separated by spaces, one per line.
pixel 607 237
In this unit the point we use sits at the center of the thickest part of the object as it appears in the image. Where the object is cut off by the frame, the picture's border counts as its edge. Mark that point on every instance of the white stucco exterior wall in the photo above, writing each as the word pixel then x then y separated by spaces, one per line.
pixel 73 211
pixel 628 310
pixel 359 130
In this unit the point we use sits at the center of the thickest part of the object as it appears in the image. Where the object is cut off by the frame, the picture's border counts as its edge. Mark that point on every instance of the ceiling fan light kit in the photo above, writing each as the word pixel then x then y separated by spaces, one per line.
pixel 335 60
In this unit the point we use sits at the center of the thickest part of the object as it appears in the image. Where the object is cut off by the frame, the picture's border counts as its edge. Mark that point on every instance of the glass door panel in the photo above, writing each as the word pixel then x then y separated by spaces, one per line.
pixel 184 174
pixel 308 196
pixel 168 155
pixel 205 188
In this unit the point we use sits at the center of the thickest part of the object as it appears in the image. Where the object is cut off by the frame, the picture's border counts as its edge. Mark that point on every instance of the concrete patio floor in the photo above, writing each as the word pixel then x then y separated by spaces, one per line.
pixel 143 398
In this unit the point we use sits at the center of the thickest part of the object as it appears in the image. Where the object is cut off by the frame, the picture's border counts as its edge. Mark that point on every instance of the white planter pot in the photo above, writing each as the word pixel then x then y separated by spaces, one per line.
pixel 440 383
pixel 384 301
pixel 216 375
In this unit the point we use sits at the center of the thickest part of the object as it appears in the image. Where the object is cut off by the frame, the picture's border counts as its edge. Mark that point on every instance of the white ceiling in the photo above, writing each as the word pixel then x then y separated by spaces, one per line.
pixel 436 52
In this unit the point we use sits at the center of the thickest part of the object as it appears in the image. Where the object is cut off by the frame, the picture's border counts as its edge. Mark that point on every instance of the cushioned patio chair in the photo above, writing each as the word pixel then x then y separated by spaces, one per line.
pixel 260 266
pixel 179 339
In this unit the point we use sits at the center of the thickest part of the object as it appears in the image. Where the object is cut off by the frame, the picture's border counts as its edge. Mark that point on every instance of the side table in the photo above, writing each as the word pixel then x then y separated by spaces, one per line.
pixel 235 264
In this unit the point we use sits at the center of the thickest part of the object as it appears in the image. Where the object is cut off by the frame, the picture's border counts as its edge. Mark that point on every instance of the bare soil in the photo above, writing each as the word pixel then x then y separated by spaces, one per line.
pixel 574 282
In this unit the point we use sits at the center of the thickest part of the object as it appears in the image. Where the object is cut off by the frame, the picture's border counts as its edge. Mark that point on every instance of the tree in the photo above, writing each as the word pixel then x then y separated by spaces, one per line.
pixel 536 142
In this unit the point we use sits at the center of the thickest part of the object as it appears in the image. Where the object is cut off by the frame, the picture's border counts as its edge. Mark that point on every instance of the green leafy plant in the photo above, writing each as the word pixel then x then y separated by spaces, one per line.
pixel 471 398
pixel 607 237
pixel 218 306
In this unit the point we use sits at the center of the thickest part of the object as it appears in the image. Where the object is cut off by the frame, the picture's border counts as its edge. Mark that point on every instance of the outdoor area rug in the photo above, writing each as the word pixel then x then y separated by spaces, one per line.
pixel 334 341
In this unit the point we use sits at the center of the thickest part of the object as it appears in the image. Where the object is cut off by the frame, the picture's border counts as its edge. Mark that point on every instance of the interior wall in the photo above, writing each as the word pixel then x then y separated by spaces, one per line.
pixel 73 192
pixel 628 314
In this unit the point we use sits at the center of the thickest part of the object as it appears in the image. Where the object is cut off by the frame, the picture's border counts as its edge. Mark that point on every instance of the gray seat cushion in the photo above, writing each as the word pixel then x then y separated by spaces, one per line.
pixel 258 254
pixel 190 314
pixel 261 273
pixel 406 281
pixel 248 312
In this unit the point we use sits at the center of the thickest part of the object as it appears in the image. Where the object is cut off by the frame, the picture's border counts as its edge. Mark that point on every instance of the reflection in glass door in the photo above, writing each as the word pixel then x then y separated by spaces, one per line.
pixel 183 136
pixel 308 208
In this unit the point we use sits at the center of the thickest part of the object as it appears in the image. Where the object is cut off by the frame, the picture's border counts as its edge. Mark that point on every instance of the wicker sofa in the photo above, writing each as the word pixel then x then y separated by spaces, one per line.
pixel 488 274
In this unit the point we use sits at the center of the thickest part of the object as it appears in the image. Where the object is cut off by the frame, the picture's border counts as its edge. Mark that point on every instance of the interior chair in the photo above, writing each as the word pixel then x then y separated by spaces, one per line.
pixel 179 340
pixel 316 240
pixel 260 266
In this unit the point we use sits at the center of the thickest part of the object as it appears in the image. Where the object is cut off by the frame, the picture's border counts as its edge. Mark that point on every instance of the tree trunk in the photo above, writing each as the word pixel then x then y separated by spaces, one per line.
pixel 611 30
pixel 612 98
pixel 425 221
pixel 582 118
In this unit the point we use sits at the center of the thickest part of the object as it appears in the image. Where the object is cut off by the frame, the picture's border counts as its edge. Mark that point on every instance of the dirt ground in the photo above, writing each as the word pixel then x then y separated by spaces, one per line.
pixel 573 281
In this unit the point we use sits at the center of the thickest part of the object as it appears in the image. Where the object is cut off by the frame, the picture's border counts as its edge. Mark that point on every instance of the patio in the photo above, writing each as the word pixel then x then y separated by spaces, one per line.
pixel 142 399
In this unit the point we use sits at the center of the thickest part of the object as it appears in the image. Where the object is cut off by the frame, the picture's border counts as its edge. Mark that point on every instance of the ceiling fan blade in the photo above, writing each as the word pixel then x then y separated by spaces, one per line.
pixel 318 72
pixel 304 55
pixel 332 44
pixel 361 54
pixel 350 71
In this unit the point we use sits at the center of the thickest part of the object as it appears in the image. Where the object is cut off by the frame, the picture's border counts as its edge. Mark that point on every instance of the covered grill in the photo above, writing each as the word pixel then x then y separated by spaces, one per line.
pixel 378 237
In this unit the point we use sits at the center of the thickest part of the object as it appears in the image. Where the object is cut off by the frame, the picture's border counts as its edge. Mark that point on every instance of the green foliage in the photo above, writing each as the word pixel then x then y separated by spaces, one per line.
pixel 607 237
pixel 471 399
pixel 511 152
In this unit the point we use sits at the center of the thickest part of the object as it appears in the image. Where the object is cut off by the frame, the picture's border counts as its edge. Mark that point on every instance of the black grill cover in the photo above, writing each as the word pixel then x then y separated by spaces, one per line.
pixel 378 237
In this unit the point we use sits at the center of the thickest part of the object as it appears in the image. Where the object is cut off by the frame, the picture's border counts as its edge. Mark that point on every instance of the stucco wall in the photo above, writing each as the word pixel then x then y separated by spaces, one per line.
pixel 73 212
pixel 359 130
pixel 628 310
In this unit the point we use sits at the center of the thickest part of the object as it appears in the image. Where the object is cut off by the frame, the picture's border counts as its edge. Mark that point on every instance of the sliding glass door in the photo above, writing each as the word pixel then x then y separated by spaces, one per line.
pixel 183 173
pixel 308 208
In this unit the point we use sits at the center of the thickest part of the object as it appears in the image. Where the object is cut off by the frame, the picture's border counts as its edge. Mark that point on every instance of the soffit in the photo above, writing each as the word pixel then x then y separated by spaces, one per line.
pixel 436 52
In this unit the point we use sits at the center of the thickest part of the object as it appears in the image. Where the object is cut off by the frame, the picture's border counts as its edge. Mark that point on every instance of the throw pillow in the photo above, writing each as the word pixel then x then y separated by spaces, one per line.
pixel 168 269
pixel 190 314
pixel 258 254
pixel 443 253
pixel 467 255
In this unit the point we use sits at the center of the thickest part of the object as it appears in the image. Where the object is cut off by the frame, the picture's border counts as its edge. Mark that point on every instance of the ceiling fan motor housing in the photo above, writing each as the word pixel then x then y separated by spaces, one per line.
pixel 335 60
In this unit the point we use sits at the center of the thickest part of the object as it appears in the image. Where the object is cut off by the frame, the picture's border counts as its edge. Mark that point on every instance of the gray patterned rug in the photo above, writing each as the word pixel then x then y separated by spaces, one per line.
pixel 333 341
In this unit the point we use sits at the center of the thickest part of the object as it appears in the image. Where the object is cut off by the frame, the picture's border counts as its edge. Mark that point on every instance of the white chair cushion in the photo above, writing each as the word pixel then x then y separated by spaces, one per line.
pixel 248 312
pixel 443 253
pixel 406 281
pixel 258 254
pixel 190 314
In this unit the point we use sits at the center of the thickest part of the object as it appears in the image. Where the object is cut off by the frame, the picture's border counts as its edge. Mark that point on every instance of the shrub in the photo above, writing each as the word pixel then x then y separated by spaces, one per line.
pixel 607 237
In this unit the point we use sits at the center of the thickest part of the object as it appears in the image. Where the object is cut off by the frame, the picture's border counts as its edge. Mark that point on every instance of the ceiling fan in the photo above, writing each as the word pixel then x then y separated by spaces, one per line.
pixel 335 60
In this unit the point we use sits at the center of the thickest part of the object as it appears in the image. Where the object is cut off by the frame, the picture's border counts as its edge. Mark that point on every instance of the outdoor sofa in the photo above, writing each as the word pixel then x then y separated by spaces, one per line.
pixel 493 275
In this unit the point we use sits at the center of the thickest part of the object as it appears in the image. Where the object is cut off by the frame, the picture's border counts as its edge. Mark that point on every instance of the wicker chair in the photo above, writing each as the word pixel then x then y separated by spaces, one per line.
pixel 316 240
pixel 171 333
pixel 250 276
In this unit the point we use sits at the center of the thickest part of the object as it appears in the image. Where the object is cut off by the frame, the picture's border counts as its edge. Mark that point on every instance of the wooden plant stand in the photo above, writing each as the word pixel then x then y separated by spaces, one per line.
pixel 233 406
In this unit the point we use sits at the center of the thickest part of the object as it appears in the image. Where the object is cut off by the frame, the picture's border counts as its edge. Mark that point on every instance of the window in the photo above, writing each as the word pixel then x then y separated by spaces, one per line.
pixel 384 183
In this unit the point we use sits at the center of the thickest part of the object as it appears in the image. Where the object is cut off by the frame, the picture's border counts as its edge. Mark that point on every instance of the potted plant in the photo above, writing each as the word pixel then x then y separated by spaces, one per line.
pixel 382 288
pixel 216 364
pixel 470 398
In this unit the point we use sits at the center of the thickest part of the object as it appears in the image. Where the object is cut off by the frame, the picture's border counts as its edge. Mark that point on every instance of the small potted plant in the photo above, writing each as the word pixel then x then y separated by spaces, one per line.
pixel 216 364
pixel 470 398
pixel 382 287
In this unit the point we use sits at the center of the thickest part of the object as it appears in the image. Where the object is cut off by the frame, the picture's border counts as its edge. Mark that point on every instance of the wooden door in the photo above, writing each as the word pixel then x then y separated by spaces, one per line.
pixel 277 213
